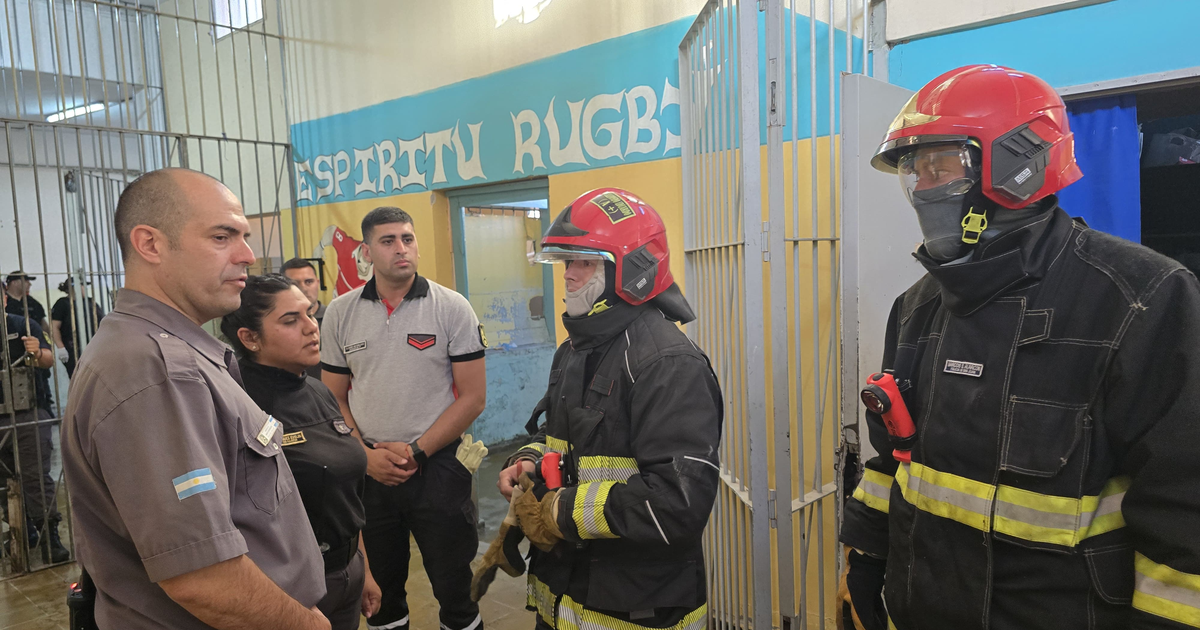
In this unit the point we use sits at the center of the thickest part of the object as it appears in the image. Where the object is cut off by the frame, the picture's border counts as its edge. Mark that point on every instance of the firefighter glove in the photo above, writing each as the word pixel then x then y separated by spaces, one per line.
pixel 860 593
pixel 537 513
pixel 502 554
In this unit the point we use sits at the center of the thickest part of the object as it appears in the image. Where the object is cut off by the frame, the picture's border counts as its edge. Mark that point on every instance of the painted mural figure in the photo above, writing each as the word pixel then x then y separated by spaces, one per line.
pixel 1049 476
pixel 353 268
pixel 633 414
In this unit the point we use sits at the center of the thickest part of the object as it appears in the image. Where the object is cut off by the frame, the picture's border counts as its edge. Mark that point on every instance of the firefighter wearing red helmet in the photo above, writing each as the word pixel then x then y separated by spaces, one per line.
pixel 1051 372
pixel 634 409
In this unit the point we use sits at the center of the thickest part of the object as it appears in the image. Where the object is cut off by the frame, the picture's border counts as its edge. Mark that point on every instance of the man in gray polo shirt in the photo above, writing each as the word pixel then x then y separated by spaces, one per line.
pixel 186 514
pixel 413 352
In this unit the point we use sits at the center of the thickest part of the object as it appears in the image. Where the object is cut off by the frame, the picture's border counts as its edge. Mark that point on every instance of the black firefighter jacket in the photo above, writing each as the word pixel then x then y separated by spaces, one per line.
pixel 1055 482
pixel 636 411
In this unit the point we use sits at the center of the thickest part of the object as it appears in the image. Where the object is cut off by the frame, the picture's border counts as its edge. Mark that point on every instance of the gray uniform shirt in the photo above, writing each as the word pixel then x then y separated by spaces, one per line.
pixel 400 360
pixel 167 473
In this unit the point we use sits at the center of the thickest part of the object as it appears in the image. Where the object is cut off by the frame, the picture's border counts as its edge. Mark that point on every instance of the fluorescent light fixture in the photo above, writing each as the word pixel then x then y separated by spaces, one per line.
pixel 76 111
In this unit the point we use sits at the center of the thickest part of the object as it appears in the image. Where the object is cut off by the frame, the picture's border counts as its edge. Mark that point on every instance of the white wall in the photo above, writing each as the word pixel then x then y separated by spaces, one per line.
pixel 909 19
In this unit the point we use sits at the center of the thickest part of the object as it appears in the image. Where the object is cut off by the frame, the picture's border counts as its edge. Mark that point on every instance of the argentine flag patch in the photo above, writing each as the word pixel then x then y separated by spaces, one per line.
pixel 195 482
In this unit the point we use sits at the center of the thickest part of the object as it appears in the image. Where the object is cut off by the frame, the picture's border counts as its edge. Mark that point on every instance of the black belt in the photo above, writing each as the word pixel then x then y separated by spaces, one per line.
pixel 338 558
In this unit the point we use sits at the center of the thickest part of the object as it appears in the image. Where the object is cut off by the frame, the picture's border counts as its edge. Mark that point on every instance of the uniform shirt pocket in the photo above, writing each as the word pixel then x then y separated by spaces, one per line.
pixel 267 478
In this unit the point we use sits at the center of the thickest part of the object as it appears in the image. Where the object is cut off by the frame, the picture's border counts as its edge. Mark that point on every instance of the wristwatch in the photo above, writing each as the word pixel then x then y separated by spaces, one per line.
pixel 419 456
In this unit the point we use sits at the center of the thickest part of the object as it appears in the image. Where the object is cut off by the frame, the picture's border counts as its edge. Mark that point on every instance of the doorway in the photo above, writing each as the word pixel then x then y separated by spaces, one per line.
pixel 497 231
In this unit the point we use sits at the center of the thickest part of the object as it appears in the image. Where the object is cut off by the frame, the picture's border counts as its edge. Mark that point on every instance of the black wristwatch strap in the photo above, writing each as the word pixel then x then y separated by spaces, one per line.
pixel 418 454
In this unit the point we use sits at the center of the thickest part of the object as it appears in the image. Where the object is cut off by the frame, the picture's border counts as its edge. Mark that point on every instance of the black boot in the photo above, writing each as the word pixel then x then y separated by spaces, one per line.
pixel 55 550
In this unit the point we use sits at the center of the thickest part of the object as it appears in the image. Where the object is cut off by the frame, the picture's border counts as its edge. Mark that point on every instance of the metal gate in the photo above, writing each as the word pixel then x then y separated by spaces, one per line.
pixel 93 93
pixel 762 247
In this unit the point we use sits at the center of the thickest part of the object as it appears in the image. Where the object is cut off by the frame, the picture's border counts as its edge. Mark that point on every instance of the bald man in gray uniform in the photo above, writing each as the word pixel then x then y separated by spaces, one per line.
pixel 186 513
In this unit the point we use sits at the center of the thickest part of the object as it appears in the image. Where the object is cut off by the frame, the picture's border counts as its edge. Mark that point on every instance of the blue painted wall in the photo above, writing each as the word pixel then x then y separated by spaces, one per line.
pixel 516 381
pixel 1112 40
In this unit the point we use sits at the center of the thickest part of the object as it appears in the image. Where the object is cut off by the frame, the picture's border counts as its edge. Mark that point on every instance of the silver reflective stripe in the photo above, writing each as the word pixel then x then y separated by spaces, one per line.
pixel 718 468
pixel 474 624
pixel 1150 586
pixel 655 519
pixel 589 509
pixel 1108 505
pixel 391 626
pixel 949 496
pixel 1036 517
pixel 875 490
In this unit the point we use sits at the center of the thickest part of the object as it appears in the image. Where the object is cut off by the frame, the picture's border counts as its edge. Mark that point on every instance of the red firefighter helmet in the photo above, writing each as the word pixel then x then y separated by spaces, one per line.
pixel 1015 119
pixel 614 225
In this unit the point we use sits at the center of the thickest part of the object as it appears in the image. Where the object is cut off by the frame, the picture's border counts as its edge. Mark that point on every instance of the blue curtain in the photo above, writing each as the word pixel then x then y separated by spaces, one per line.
pixel 1108 150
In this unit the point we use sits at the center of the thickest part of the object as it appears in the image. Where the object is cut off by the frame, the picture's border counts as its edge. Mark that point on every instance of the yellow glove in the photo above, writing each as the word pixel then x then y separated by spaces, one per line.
pixel 503 553
pixel 471 453
pixel 537 512
pixel 859 604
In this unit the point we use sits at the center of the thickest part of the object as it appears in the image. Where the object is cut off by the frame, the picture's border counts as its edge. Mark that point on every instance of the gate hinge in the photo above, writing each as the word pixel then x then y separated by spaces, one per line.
pixel 772 509
pixel 765 244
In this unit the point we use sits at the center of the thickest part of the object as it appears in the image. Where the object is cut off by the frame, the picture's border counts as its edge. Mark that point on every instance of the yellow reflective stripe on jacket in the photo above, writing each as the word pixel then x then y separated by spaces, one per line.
pixel 589 510
pixel 557 445
pixel 1160 590
pixel 573 616
pixel 946 495
pixel 604 468
pixel 1019 513
pixel 539 597
pixel 539 447
pixel 1059 520
pixel 874 490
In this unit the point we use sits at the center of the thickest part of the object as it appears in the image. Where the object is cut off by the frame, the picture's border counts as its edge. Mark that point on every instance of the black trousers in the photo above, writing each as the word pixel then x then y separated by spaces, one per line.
pixel 434 506
pixel 36 482
pixel 342 604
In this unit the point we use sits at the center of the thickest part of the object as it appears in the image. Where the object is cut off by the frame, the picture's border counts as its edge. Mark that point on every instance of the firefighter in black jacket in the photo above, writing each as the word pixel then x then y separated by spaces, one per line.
pixel 1051 371
pixel 635 411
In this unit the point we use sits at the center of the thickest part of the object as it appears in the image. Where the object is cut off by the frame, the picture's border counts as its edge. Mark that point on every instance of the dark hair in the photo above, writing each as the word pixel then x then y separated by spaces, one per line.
pixel 382 216
pixel 258 298
pixel 297 263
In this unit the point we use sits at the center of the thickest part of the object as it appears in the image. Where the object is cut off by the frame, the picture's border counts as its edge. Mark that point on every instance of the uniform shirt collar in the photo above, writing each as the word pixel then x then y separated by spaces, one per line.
pixel 419 289
pixel 142 306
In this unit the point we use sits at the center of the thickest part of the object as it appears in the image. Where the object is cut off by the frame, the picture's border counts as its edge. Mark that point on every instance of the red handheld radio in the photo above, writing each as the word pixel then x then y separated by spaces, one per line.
pixel 882 396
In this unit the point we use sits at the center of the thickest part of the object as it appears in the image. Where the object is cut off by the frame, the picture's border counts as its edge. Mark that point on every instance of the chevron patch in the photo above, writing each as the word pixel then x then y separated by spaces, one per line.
pixel 422 342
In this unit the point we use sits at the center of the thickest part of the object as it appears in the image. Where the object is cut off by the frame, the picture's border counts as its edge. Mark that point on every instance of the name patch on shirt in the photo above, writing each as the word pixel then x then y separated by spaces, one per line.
pixel 268 430
pixel 964 368
pixel 195 482
pixel 354 347
pixel 292 439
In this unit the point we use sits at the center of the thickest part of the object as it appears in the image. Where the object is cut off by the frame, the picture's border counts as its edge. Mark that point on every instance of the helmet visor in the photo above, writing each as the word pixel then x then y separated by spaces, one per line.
pixel 551 254
pixel 948 168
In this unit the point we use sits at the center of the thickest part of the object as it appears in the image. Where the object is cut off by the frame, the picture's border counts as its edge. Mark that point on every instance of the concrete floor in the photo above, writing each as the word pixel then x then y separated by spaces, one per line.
pixel 37 601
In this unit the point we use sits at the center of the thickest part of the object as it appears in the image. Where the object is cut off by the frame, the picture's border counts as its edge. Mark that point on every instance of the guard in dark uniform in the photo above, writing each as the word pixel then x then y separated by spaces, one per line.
pixel 275 340
pixel 35 443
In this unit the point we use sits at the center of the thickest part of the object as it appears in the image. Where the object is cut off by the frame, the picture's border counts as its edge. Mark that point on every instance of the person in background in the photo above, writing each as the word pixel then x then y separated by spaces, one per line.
pixel 18 285
pixel 304 275
pixel 67 338
pixel 276 341
pixel 35 443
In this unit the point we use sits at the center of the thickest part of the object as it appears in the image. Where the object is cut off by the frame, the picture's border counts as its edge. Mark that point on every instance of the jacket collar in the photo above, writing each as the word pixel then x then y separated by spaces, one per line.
pixel 257 374
pixel 588 331
pixel 1009 261
pixel 419 289
pixel 142 306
